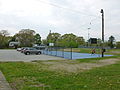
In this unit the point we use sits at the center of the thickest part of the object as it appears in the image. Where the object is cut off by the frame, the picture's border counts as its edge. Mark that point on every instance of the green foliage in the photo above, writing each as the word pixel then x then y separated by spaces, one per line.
pixel 37 38
pixel 53 38
pixel 44 41
pixel 118 45
pixel 4 39
pixel 111 41
pixel 25 37
pixel 69 40
pixel 66 40
pixel 13 39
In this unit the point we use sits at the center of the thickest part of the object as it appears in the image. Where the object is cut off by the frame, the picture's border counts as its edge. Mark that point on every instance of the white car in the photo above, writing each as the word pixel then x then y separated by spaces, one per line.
pixel 19 49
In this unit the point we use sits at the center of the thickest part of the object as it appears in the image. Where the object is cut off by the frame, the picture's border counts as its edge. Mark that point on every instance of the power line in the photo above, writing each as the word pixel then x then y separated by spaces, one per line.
pixel 68 9
pixel 71 10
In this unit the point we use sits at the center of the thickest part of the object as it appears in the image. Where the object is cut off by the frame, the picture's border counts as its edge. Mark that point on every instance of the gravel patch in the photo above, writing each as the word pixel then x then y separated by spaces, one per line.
pixel 60 66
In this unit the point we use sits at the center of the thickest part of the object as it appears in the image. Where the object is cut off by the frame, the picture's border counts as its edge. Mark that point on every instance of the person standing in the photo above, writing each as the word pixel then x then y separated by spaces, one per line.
pixel 93 51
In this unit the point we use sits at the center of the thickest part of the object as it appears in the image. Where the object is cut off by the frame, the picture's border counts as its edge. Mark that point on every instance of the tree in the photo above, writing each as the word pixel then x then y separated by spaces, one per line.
pixel 4 40
pixel 66 40
pixel 37 38
pixel 117 44
pixel 44 41
pixel 25 37
pixel 80 41
pixel 13 38
pixel 111 41
pixel 53 38
pixel 71 40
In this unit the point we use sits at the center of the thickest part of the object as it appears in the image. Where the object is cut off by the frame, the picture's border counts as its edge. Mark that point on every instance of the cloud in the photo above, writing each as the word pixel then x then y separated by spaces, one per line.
pixel 62 16
pixel 22 8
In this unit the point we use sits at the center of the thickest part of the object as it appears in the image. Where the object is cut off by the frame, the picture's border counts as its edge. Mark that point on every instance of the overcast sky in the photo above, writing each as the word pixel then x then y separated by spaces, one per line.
pixel 62 16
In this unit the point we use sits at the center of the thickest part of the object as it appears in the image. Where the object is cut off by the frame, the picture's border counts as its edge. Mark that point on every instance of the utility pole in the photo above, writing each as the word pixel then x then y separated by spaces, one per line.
pixel 102 32
pixel 50 32
pixel 88 36
pixel 70 49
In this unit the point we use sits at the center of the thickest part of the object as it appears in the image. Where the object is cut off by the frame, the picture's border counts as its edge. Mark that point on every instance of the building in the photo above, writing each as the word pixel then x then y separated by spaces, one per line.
pixel 14 44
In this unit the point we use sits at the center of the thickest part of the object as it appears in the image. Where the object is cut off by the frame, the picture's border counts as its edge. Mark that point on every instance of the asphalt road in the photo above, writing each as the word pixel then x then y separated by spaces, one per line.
pixel 13 55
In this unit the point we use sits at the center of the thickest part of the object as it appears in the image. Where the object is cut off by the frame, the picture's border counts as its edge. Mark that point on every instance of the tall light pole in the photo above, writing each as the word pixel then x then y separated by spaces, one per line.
pixel 88 35
pixel 102 32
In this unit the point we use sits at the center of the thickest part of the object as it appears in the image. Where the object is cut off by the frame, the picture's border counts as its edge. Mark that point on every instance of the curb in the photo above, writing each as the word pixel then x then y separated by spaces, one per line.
pixel 4 85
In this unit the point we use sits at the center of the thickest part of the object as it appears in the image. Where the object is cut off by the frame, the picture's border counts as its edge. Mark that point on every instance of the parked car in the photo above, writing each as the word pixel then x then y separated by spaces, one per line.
pixel 23 48
pixel 40 47
pixel 19 49
pixel 28 51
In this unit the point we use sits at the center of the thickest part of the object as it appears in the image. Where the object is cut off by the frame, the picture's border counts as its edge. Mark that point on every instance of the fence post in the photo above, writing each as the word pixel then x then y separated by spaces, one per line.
pixel 71 53
pixel 63 52
pixel 56 51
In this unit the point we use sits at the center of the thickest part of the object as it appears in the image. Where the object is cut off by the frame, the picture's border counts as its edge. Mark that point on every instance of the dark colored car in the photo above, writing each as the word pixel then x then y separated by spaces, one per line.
pixel 23 48
pixel 28 51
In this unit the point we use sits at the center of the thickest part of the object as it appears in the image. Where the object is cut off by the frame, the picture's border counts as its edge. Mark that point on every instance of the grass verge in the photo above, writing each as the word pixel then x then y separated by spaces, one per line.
pixel 35 76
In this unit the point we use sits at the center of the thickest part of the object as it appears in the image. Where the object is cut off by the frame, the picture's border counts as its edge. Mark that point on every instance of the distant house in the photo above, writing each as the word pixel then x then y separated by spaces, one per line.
pixel 14 44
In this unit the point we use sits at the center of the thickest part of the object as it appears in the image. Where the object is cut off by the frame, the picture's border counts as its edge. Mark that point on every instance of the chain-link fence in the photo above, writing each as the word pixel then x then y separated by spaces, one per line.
pixel 72 53
pixel 58 51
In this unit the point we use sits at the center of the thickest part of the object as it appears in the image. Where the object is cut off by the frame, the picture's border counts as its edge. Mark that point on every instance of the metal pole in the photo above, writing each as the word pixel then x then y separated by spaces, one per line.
pixel 102 32
pixel 71 52
pixel 88 36
pixel 47 51
pixel 70 48
pixel 56 51
pixel 63 52
pixel 56 46
pixel 51 50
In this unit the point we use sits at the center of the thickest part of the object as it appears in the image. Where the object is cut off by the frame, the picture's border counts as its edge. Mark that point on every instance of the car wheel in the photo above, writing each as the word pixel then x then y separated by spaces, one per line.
pixel 38 53
pixel 27 53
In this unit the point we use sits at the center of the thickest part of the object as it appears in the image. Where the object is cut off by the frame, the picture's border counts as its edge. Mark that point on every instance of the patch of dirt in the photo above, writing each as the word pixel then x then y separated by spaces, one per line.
pixel 20 82
pixel 60 62
pixel 40 85
pixel 67 67
pixel 50 63
pixel 17 84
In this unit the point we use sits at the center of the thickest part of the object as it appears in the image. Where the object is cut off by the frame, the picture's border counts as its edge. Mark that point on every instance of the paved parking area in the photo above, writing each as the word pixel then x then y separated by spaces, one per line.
pixel 13 55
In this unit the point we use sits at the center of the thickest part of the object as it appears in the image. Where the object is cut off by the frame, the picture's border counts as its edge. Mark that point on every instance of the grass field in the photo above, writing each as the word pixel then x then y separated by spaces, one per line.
pixel 64 75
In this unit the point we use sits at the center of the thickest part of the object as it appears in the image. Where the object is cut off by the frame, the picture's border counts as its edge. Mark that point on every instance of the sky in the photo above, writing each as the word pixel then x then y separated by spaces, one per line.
pixel 61 16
